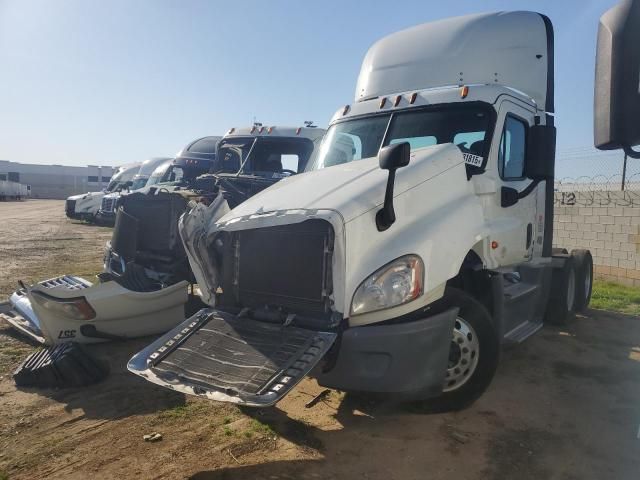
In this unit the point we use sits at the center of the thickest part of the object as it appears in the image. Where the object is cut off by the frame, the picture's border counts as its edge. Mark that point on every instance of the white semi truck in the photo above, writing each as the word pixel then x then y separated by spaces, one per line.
pixel 402 262
pixel 85 206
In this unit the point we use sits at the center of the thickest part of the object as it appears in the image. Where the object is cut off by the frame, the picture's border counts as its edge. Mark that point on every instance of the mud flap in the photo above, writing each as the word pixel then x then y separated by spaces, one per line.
pixel 232 359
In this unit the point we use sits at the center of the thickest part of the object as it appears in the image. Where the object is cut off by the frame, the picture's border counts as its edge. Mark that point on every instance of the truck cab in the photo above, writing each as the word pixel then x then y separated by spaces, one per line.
pixel 106 213
pixel 85 206
pixel 417 241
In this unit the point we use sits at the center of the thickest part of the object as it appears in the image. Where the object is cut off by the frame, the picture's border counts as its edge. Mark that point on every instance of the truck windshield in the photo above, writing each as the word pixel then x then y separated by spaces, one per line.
pixel 264 156
pixel 122 176
pixel 139 182
pixel 174 174
pixel 159 173
pixel 360 138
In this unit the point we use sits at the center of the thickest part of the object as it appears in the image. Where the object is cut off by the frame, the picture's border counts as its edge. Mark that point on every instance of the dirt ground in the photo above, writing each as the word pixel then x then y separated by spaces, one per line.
pixel 564 405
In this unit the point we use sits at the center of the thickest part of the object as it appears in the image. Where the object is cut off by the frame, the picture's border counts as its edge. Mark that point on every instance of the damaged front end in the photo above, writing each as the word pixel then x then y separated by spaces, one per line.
pixel 274 282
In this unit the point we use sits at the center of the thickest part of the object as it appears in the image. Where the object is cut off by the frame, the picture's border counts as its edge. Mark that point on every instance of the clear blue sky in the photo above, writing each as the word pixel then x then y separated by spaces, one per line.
pixel 108 82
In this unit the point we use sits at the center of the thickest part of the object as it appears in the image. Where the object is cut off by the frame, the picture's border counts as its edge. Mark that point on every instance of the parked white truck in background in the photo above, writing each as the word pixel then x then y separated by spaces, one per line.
pixel 86 205
pixel 107 211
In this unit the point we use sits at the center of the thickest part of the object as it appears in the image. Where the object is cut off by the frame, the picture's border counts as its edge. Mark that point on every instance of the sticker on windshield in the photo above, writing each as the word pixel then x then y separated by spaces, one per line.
pixel 471 159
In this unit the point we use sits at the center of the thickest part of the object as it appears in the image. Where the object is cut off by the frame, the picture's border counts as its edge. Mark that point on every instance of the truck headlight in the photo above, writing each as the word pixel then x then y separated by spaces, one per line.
pixel 397 283
pixel 77 308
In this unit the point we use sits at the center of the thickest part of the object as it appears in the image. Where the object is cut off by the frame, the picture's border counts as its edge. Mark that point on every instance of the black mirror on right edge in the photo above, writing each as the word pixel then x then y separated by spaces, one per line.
pixel 617 93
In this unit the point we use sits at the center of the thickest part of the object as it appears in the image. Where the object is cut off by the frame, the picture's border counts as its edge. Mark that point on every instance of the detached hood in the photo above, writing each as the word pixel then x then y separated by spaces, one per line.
pixel 350 189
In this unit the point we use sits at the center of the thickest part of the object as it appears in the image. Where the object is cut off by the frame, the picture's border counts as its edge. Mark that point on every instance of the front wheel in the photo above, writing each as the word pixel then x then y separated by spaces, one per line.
pixel 473 355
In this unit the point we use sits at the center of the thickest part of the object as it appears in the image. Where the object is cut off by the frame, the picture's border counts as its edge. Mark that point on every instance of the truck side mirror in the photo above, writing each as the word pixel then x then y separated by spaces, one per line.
pixel 616 95
pixel 391 158
pixel 541 152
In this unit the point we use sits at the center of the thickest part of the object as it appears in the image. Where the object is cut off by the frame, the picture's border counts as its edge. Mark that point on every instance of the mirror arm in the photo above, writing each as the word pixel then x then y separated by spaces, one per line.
pixel 631 152
pixel 386 216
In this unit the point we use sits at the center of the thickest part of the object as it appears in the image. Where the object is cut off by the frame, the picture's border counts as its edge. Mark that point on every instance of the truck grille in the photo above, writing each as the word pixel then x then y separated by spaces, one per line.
pixel 108 204
pixel 70 207
pixel 286 266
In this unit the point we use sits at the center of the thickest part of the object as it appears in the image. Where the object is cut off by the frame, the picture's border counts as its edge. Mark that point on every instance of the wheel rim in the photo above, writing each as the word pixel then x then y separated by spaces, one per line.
pixel 587 281
pixel 571 289
pixel 463 355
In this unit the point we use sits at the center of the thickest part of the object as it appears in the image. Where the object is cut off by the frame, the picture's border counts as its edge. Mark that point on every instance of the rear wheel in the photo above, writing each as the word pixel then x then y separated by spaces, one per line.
pixel 584 278
pixel 473 354
pixel 562 297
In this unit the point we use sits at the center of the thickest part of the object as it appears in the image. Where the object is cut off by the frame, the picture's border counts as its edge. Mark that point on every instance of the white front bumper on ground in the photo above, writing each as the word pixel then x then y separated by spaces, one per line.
pixel 119 312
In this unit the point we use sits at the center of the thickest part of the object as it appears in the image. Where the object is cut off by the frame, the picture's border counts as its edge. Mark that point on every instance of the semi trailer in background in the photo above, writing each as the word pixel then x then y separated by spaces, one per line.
pixel 14 190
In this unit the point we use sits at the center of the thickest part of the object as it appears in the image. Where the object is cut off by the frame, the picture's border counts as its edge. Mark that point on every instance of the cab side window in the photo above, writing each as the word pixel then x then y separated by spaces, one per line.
pixel 511 154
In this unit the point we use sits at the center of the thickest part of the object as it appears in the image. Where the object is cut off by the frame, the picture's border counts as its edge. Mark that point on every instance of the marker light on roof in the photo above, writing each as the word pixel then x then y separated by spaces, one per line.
pixel 464 91
pixel 346 109
pixel 261 130
pixel 253 129
pixel 413 98
pixel 383 101
pixel 298 130
pixel 397 101
pixel 270 130
pixel 231 131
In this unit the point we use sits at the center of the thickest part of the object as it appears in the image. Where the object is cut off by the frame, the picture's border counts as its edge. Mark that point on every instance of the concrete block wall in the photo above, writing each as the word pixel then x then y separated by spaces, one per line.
pixel 608 224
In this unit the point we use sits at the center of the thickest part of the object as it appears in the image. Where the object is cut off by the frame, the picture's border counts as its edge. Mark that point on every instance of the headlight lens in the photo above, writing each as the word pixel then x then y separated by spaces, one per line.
pixel 397 283
pixel 76 308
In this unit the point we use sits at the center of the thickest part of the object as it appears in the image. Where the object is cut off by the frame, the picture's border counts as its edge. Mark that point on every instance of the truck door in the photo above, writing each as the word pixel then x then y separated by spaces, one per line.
pixel 513 211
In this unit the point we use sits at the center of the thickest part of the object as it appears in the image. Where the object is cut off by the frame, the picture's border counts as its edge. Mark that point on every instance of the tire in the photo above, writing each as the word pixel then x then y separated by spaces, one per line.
pixel 561 306
pixel 584 278
pixel 461 389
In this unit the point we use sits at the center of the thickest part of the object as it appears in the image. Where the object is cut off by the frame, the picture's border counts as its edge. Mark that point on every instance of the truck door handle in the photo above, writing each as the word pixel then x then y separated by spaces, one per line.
pixel 529 235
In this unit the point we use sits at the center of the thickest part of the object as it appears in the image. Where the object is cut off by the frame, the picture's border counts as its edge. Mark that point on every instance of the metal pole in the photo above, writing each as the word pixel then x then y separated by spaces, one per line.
pixel 624 171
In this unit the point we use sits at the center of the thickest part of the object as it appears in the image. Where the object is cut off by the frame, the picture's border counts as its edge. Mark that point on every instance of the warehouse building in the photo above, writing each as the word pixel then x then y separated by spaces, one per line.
pixel 56 181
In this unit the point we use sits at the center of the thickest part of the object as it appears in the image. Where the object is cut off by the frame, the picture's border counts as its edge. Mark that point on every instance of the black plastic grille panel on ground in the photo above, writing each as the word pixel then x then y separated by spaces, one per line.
pixel 60 366
pixel 239 356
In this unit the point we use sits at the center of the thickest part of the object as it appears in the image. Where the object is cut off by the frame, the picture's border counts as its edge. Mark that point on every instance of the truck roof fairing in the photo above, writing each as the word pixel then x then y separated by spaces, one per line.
pixel 513 49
